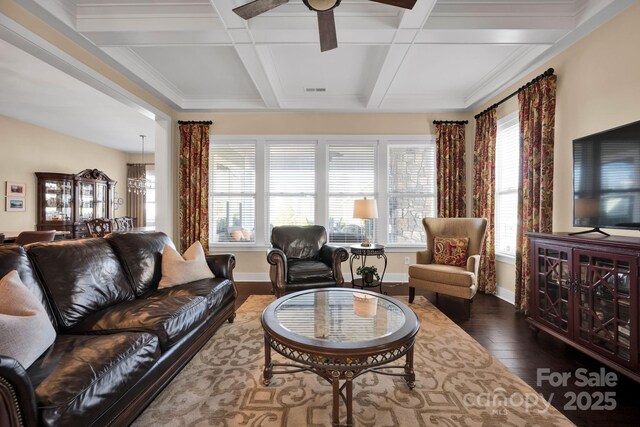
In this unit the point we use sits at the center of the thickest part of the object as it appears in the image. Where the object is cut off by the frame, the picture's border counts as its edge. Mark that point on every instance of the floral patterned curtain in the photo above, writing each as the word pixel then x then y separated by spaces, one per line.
pixel 450 165
pixel 193 177
pixel 535 193
pixel 484 192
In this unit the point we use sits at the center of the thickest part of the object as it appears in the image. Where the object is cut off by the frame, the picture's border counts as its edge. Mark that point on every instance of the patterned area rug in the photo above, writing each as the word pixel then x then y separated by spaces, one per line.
pixel 458 383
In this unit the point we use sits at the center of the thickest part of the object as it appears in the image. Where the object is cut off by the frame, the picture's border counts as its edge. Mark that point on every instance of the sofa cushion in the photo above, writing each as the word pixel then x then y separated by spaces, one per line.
pixel 439 273
pixel 81 375
pixel 217 291
pixel 168 318
pixel 14 257
pixel 81 277
pixel 141 256
pixel 301 271
pixel 25 329
pixel 179 269
pixel 450 250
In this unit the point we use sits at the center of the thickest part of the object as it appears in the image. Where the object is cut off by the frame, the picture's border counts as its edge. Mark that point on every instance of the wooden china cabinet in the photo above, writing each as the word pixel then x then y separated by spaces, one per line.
pixel 584 291
pixel 66 201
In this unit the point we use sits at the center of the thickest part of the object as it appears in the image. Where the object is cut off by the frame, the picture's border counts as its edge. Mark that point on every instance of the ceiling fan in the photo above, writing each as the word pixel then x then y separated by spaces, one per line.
pixel 326 22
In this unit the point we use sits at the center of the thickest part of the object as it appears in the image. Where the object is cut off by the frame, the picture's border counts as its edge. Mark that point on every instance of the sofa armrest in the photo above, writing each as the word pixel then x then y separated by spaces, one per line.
pixel 17 398
pixel 473 264
pixel 222 265
pixel 424 257
pixel 334 256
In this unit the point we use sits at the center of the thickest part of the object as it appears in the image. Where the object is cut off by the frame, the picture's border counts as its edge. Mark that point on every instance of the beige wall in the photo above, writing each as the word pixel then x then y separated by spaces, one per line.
pixel 26 149
pixel 268 123
pixel 598 88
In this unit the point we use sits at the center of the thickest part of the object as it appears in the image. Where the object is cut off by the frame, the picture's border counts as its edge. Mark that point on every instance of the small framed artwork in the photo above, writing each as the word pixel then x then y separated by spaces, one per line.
pixel 15 204
pixel 16 189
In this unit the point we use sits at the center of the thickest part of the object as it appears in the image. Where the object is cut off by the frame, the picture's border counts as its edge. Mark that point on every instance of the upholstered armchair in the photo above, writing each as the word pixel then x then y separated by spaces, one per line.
pixel 455 280
pixel 300 259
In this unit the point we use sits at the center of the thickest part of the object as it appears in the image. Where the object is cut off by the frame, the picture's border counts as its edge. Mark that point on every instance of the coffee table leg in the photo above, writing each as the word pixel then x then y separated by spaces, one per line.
pixel 335 381
pixel 349 387
pixel 409 375
pixel 267 362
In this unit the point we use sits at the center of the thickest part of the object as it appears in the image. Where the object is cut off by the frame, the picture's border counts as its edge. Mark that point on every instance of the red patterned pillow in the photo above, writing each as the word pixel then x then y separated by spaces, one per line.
pixel 450 250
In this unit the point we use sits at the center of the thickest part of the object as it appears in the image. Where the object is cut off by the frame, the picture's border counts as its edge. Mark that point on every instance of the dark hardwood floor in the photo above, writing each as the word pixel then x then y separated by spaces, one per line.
pixel 503 332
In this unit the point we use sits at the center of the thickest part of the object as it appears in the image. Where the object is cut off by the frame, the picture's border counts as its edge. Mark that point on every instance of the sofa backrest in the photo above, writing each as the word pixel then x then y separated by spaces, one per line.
pixel 80 277
pixel 141 257
pixel 14 257
pixel 299 242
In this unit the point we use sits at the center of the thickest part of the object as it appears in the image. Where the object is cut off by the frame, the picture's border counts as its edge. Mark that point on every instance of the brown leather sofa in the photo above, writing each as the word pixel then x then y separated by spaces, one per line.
pixel 300 259
pixel 120 339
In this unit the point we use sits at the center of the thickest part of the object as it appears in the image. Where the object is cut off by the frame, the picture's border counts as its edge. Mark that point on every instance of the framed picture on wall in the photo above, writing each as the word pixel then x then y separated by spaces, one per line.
pixel 15 204
pixel 16 189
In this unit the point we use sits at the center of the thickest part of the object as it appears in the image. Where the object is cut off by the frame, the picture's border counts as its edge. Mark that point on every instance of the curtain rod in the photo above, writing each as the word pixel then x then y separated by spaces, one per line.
pixel 547 73
pixel 450 122
pixel 182 122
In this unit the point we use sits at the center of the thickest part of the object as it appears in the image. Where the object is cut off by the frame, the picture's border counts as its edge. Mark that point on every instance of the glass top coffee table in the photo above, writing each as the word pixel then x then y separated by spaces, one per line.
pixel 339 334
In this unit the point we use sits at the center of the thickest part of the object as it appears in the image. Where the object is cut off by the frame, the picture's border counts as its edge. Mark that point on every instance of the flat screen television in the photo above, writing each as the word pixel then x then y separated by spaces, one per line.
pixel 606 179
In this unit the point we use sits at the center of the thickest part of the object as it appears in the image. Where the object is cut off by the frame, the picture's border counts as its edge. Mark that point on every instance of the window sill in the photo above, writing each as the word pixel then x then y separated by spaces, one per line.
pixel 506 258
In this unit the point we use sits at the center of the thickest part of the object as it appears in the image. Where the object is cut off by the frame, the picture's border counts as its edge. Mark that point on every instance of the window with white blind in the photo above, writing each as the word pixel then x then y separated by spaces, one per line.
pixel 150 199
pixel 232 193
pixel 411 190
pixel 507 167
pixel 258 182
pixel 352 176
pixel 291 184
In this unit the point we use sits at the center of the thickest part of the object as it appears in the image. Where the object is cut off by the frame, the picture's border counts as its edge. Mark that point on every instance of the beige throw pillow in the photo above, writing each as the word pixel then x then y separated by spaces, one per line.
pixel 25 329
pixel 177 269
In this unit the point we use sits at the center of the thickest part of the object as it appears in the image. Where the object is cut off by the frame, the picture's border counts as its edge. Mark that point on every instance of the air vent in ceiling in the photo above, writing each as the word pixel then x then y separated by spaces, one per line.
pixel 315 89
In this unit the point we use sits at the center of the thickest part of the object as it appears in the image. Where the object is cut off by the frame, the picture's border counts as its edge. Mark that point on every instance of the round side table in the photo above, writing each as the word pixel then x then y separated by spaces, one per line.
pixel 360 253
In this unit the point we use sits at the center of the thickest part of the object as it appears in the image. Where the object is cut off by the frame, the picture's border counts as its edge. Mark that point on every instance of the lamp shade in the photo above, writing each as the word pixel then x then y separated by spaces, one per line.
pixel 365 209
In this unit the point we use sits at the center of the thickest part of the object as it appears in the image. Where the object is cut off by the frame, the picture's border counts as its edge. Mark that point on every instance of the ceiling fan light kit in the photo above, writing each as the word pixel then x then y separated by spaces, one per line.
pixel 324 8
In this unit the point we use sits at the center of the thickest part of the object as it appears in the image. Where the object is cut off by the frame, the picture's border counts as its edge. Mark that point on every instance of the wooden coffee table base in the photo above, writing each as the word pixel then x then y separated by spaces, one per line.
pixel 335 368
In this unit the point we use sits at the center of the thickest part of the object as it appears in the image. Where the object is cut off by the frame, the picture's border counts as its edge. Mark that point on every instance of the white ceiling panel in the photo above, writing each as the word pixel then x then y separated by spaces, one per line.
pixel 451 70
pixel 345 72
pixel 201 71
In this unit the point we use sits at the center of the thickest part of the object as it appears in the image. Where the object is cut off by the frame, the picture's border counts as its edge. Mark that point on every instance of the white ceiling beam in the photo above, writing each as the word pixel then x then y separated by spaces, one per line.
pixel 247 51
pixel 410 25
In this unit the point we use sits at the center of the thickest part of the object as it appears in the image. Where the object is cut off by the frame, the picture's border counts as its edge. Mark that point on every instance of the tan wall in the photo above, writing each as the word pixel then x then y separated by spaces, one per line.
pixel 598 88
pixel 26 149
pixel 274 123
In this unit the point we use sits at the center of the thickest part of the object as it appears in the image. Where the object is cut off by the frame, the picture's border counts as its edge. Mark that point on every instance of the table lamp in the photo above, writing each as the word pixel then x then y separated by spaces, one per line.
pixel 365 209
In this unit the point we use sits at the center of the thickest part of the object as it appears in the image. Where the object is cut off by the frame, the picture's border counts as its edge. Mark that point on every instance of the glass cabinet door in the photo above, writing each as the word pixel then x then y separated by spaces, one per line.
pixel 86 201
pixel 607 290
pixel 552 287
pixel 101 201
pixel 58 204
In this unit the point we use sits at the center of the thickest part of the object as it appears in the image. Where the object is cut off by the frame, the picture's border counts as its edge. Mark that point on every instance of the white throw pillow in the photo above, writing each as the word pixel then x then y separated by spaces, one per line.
pixel 177 269
pixel 25 329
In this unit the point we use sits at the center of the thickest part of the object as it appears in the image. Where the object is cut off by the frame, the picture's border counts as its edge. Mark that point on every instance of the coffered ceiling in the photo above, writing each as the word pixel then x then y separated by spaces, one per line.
pixel 444 55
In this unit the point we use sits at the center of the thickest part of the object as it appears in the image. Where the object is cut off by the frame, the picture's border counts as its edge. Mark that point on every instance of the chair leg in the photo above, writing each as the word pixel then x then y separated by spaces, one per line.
pixel 412 294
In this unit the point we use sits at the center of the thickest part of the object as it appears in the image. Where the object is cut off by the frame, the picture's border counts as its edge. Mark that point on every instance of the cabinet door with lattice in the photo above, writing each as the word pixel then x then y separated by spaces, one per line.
pixel 606 305
pixel 551 286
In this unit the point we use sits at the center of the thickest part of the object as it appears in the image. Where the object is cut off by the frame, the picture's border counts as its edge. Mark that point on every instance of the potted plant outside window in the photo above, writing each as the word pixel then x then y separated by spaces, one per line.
pixel 368 272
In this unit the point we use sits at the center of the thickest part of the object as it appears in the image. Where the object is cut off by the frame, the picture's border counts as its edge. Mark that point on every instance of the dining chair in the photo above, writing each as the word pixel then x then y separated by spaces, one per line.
pixel 27 237
pixel 99 227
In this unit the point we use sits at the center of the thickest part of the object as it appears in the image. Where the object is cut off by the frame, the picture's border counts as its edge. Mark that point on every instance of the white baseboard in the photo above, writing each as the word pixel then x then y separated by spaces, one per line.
pixel 264 277
pixel 506 295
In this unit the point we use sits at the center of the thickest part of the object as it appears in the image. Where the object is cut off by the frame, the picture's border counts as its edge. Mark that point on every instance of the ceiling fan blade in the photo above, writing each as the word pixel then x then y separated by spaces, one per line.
pixel 257 7
pixel 407 4
pixel 327 29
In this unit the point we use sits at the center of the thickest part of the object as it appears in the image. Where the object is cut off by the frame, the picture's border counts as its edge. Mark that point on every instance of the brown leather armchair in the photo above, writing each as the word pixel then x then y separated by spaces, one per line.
pixel 26 237
pixel 300 259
